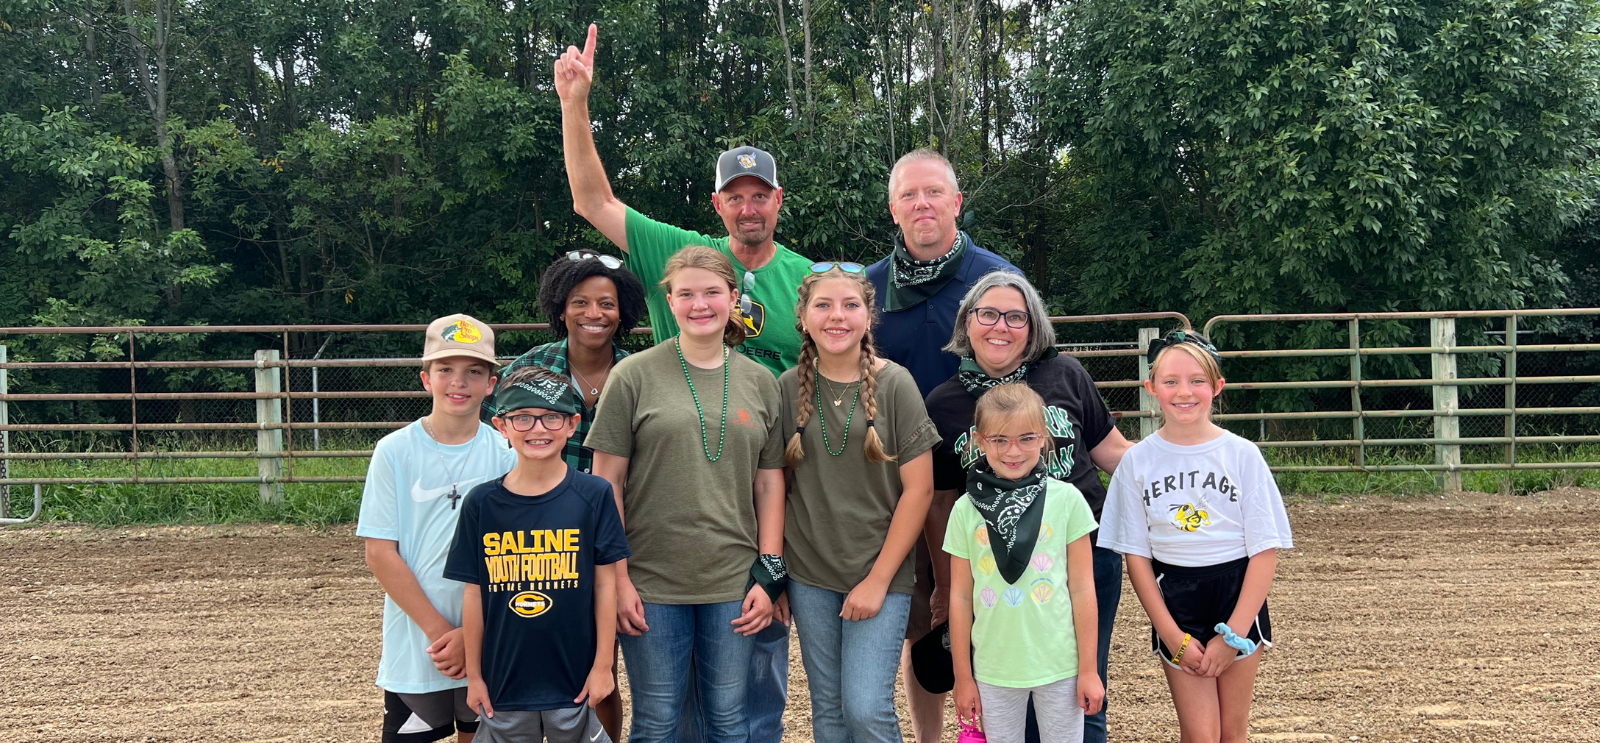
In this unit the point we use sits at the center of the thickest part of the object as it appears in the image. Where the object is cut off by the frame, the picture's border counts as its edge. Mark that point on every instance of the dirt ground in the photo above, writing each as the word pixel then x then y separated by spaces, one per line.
pixel 1450 618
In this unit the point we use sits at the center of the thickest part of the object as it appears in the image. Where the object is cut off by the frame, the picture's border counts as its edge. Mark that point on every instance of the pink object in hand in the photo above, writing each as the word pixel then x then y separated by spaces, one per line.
pixel 970 733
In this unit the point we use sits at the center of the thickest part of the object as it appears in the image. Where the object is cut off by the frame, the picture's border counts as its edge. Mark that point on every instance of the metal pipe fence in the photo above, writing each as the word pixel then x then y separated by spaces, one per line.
pixel 1363 392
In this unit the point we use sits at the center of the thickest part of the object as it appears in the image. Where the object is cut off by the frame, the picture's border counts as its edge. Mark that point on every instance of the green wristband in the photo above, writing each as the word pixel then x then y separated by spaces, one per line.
pixel 769 572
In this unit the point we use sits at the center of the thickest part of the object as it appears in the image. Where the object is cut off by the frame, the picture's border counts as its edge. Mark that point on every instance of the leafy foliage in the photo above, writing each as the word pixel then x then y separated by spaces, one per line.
pixel 357 161
pixel 1281 155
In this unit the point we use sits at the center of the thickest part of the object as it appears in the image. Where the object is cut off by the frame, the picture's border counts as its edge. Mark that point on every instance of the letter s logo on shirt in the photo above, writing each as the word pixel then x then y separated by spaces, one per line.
pixel 530 603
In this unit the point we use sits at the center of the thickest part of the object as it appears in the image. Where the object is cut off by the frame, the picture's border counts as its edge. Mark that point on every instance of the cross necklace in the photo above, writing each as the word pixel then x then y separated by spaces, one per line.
pixel 455 495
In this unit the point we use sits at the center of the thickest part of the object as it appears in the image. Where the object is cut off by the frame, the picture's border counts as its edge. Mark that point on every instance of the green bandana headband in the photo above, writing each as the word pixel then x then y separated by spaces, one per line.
pixel 538 393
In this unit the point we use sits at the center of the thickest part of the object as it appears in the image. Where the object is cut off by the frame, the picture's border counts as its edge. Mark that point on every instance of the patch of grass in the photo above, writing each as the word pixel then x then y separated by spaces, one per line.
pixel 311 504
pixel 325 504
pixel 1330 486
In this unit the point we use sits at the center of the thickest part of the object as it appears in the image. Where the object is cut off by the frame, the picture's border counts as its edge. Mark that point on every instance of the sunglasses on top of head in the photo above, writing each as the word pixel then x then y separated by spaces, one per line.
pixel 605 260
pixel 826 266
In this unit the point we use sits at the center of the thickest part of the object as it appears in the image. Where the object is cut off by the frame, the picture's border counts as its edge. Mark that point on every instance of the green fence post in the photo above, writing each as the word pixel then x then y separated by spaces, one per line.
pixel 1442 336
pixel 269 412
pixel 1147 401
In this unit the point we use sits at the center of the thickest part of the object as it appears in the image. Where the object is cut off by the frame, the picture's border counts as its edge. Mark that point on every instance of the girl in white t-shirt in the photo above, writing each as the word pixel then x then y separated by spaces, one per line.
pixel 1197 513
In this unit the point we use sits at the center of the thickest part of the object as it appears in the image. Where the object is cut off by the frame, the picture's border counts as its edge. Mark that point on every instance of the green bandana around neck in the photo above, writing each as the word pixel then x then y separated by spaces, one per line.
pixel 977 381
pixel 1013 511
pixel 538 393
pixel 912 282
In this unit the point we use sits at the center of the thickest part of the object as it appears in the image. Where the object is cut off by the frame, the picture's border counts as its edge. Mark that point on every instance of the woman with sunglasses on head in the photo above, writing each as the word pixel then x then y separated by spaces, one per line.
pixel 593 303
pixel 690 435
pixel 862 461
pixel 1003 334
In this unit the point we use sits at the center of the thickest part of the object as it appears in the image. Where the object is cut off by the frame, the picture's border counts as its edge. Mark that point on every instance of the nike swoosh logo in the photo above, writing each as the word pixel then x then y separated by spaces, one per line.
pixel 597 735
pixel 421 495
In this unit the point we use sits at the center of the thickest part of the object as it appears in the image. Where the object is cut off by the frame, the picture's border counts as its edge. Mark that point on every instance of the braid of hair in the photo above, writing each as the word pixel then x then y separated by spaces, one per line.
pixel 872 445
pixel 806 369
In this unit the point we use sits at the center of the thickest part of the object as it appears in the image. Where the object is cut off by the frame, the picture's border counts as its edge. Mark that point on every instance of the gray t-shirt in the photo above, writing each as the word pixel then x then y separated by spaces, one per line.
pixel 840 507
pixel 691 522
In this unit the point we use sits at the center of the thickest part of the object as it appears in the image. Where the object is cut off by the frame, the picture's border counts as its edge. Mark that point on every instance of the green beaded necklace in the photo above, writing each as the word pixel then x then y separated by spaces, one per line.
pixel 824 419
pixel 722 438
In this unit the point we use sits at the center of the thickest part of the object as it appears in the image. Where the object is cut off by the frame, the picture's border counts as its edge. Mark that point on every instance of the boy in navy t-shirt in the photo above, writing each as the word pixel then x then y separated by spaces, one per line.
pixel 535 550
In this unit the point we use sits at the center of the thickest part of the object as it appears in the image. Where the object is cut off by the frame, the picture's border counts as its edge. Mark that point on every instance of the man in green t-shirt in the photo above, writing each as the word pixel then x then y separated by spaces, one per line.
pixel 747 197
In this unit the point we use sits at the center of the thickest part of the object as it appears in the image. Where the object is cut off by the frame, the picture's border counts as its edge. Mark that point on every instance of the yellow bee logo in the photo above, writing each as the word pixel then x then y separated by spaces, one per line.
pixel 530 603
pixel 1190 518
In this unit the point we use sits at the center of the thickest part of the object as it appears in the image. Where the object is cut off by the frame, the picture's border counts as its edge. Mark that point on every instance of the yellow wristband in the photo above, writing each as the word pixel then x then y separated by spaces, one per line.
pixel 1178 659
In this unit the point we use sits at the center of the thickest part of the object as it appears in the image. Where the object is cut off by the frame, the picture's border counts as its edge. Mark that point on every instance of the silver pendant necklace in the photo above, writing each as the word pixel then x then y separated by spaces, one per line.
pixel 455 494
pixel 593 390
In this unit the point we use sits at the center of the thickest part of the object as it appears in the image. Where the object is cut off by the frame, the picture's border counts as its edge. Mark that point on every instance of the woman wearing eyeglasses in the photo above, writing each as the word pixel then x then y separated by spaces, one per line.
pixel 862 458
pixel 690 435
pixel 1003 334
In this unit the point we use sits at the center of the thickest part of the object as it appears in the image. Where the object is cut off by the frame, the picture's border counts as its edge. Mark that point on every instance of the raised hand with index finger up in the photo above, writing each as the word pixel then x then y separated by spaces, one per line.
pixel 575 69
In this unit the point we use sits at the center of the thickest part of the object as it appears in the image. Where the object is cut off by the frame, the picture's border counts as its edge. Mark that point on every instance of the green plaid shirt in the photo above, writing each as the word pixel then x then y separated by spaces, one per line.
pixel 553 356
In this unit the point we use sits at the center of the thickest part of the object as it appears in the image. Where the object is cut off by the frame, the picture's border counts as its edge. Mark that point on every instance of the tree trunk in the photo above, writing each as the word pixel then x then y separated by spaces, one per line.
pixel 155 95
pixel 788 59
pixel 92 48
pixel 811 102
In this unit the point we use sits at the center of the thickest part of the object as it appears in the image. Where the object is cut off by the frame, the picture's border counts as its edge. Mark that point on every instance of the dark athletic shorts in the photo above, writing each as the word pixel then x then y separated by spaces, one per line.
pixel 1199 598
pixel 424 718
pixel 920 622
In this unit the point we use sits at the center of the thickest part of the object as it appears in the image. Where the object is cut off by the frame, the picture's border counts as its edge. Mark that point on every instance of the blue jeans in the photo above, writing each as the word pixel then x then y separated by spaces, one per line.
pixel 658 671
pixel 850 702
pixel 767 691
pixel 1108 594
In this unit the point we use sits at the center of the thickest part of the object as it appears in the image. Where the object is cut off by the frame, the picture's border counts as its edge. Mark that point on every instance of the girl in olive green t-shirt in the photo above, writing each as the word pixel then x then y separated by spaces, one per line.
pixel 863 477
pixel 690 438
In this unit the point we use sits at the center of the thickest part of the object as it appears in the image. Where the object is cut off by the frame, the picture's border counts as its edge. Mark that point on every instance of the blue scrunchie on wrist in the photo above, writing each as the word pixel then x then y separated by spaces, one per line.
pixel 1244 645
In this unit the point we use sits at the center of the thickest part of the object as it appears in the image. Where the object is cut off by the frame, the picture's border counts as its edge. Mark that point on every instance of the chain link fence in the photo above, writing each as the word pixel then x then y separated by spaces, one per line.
pixel 265 406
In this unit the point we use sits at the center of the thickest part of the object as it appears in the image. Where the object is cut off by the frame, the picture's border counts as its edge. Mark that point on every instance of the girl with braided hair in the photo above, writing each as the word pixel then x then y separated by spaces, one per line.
pixel 862 462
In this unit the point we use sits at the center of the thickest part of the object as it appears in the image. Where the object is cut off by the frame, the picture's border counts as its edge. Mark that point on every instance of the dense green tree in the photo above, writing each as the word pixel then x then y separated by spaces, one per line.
pixel 1353 155
pixel 218 161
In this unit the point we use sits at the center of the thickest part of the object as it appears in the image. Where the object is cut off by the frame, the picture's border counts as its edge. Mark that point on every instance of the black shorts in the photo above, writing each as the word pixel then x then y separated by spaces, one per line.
pixel 1200 598
pixel 424 718
pixel 920 621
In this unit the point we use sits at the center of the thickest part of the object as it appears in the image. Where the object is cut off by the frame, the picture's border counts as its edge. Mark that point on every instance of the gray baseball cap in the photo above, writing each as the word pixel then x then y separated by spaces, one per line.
pixel 742 161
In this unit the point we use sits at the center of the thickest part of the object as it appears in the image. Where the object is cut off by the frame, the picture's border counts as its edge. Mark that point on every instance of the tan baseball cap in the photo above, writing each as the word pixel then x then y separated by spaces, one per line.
pixel 459 335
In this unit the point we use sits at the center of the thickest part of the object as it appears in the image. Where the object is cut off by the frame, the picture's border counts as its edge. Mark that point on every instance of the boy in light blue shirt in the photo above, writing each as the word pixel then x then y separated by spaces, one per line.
pixel 408 517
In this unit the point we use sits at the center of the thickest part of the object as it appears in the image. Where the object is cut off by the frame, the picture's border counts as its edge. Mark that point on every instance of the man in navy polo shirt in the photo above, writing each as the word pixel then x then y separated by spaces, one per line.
pixel 920 286
pixel 921 283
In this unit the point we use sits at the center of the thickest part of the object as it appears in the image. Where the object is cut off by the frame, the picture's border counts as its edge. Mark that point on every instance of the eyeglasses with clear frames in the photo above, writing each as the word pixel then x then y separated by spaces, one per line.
pixel 989 316
pixel 524 422
pixel 1026 442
